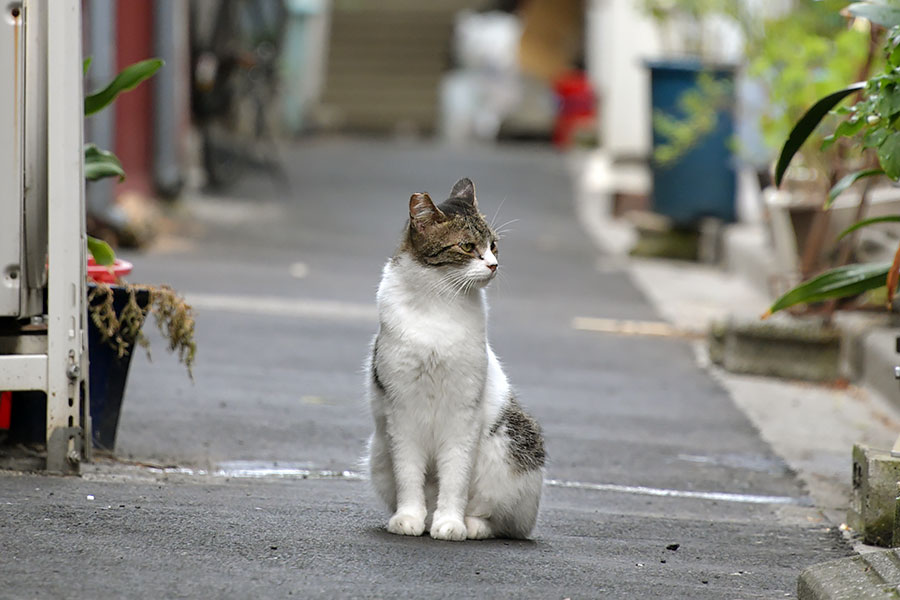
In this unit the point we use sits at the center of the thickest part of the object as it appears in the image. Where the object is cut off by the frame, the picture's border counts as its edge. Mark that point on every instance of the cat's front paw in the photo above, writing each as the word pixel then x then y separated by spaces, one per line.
pixel 448 528
pixel 404 524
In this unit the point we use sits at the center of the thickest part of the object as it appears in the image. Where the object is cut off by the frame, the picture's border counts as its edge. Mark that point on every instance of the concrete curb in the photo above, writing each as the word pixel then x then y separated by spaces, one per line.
pixel 868 357
pixel 874 575
pixel 876 356
pixel 867 339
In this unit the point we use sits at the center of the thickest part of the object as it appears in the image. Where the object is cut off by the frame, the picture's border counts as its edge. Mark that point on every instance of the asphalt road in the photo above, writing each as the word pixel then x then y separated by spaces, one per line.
pixel 660 487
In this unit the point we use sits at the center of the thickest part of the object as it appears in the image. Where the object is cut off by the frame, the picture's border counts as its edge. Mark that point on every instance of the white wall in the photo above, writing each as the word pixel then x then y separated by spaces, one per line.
pixel 619 38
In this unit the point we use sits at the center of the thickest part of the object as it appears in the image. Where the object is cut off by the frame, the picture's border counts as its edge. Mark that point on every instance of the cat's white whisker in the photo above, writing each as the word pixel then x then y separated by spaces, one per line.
pixel 508 223
pixel 497 212
pixel 501 233
pixel 451 284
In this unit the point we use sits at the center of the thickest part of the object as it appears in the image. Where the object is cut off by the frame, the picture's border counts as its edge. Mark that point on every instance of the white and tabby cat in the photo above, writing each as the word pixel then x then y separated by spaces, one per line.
pixel 452 452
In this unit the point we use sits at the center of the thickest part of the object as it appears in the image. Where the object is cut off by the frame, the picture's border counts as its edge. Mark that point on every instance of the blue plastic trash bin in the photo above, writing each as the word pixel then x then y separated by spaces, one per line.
pixel 702 182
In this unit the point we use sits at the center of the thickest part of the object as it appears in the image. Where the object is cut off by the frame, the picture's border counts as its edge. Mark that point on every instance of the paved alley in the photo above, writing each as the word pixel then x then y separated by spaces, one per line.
pixel 658 486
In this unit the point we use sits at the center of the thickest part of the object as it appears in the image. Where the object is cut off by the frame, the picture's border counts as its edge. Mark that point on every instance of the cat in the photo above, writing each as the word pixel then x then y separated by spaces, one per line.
pixel 452 453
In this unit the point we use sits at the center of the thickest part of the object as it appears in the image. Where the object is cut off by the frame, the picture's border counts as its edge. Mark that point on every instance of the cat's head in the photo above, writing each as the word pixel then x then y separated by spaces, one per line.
pixel 453 236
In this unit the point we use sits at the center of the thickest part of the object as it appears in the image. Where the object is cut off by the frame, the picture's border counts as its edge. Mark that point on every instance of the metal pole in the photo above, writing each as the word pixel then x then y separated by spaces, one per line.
pixel 101 15
pixel 169 92
pixel 67 402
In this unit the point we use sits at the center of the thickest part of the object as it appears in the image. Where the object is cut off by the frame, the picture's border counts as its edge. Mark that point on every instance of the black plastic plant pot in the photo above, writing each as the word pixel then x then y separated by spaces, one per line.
pixel 109 372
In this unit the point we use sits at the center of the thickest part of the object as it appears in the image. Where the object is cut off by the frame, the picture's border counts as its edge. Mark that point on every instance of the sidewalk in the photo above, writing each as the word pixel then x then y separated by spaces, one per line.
pixel 791 416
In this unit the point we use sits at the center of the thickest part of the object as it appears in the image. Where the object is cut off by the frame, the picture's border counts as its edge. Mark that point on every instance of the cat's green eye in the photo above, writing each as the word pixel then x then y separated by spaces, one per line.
pixel 494 247
pixel 466 246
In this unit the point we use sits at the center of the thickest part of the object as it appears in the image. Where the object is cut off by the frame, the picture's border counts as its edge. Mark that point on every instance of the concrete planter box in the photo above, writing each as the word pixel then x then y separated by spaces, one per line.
pixel 779 348
pixel 791 214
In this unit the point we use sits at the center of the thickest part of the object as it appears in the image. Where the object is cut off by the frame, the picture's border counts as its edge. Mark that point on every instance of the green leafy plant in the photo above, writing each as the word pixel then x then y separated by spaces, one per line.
pixel 873 122
pixel 174 316
pixel 98 163
pixel 799 57
pixel 796 57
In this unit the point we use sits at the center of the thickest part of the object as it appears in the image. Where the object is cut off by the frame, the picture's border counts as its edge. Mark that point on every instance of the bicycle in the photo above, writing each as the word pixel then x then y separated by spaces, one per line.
pixel 235 84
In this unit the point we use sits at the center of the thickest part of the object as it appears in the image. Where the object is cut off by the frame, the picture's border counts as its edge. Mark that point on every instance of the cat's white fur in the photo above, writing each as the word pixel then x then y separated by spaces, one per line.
pixel 432 457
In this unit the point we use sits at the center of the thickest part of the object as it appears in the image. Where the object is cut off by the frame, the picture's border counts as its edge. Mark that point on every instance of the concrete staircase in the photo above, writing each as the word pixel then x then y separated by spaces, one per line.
pixel 385 62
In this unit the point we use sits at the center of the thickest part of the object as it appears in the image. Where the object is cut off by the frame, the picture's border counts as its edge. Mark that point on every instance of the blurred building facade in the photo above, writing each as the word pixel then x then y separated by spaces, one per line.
pixel 148 127
pixel 460 69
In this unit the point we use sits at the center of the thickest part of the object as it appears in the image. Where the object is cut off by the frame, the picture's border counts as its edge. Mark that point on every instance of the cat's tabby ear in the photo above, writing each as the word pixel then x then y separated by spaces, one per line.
pixel 465 190
pixel 423 212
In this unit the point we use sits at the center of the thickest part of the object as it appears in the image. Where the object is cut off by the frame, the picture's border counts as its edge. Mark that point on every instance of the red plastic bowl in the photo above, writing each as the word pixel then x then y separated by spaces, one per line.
pixel 108 274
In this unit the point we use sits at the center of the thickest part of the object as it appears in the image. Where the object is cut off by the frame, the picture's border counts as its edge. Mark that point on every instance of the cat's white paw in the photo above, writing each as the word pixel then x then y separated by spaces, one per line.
pixel 448 528
pixel 478 528
pixel 402 524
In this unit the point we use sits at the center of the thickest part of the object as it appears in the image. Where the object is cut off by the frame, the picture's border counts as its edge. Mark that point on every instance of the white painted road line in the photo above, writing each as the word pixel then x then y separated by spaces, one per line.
pixel 666 493
pixel 284 307
pixel 261 470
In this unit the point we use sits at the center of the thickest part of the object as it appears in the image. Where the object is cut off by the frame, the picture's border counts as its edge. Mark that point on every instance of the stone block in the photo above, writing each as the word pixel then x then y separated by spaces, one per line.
pixel 871 576
pixel 676 244
pixel 873 500
pixel 791 349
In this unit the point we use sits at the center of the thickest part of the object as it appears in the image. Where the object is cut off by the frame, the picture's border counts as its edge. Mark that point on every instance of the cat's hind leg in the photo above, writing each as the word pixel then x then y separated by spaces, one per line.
pixel 504 504
pixel 478 528
pixel 506 487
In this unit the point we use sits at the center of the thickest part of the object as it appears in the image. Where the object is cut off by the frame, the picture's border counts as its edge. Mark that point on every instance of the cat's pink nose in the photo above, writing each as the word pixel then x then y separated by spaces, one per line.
pixel 492 267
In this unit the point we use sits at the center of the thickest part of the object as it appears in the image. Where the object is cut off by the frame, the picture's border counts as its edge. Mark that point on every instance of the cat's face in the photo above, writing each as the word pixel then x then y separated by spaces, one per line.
pixel 453 236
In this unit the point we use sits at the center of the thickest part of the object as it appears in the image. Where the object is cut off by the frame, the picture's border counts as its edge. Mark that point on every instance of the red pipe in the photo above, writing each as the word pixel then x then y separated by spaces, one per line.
pixel 5 409
pixel 134 109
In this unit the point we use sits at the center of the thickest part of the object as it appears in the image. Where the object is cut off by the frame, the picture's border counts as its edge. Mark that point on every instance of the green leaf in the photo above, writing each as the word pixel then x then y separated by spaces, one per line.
pixel 841 282
pixel 888 103
pixel 867 222
pixel 848 180
pixel 846 128
pixel 893 46
pixel 101 251
pixel 807 124
pixel 126 80
pixel 875 137
pixel 889 155
pixel 894 56
pixel 101 163
pixel 880 14
pixel 85 65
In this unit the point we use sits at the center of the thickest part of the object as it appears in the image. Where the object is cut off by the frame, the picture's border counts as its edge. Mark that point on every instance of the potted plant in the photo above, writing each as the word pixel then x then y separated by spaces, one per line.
pixel 872 124
pixel 117 309
pixel 812 38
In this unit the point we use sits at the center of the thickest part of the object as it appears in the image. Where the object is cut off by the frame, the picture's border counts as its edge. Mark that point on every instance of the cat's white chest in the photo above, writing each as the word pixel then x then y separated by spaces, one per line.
pixel 434 354
pixel 436 357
